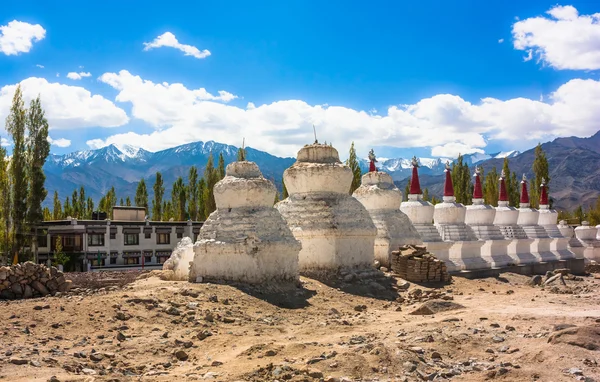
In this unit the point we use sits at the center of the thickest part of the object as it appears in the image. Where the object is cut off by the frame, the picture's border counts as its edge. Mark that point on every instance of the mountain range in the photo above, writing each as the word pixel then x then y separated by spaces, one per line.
pixel 574 168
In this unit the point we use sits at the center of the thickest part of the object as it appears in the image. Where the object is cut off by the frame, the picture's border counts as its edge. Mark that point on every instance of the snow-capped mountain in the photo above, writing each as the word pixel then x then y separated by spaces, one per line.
pixel 477 158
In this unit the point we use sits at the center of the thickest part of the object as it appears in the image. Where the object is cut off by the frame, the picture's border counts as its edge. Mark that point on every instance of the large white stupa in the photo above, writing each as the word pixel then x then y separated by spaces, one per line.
pixel 335 229
pixel 245 239
pixel 382 199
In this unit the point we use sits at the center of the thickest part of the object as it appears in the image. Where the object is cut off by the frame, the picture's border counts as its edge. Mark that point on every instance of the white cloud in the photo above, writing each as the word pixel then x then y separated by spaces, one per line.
pixel 447 123
pixel 4 142
pixel 563 39
pixel 66 107
pixel 60 142
pixel 18 37
pixel 168 39
pixel 500 41
pixel 77 76
pixel 40 66
pixel 452 150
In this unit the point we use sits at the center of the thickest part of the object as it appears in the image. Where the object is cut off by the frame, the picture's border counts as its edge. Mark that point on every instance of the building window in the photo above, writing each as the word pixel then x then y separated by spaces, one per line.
pixel 113 235
pixel 147 259
pixel 132 239
pixel 113 260
pixel 95 263
pixel 163 238
pixel 132 260
pixel 179 235
pixel 42 241
pixel 95 240
pixel 148 235
pixel 162 259
pixel 68 241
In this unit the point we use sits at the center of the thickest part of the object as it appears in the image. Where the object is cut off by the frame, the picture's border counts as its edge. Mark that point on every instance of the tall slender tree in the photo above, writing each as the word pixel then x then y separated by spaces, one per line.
pixel 426 194
pixel 110 201
pixel 406 189
pixel 57 213
pixel 141 195
pixel 38 149
pixel 221 167
pixel 352 162
pixel 15 125
pixel 128 202
pixel 241 154
pixel 177 200
pixel 461 180
pixel 5 203
pixel 490 188
pixel 90 207
pixel 68 210
pixel 540 171
pixel 512 185
pixel 75 204
pixel 121 202
pixel 157 203
pixel 192 190
pixel 201 200
pixel 211 177
pixel 83 204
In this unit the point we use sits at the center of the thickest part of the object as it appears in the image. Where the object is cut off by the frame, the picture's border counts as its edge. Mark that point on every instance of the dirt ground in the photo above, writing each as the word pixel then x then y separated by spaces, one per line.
pixel 154 330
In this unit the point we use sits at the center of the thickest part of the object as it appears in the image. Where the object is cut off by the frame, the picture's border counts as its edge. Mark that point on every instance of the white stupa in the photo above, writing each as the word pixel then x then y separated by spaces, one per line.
pixel 506 219
pixel 585 243
pixel 420 213
pixel 382 199
pixel 480 217
pixel 245 239
pixel 449 218
pixel 335 229
pixel 557 243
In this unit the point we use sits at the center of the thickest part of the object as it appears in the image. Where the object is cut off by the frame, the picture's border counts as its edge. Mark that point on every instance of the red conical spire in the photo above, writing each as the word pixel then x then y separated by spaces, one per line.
pixel 477 191
pixel 415 186
pixel 524 194
pixel 448 187
pixel 503 194
pixel 543 193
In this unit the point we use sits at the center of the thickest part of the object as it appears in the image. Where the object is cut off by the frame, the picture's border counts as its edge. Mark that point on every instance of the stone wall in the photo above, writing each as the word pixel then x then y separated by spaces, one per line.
pixel 27 280
pixel 414 263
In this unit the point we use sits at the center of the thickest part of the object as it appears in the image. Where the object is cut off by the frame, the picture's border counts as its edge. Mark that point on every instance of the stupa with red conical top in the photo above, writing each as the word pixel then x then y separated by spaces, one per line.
pixel 382 199
pixel 449 216
pixel 529 217
pixel 419 211
pixel 548 218
pixel 480 216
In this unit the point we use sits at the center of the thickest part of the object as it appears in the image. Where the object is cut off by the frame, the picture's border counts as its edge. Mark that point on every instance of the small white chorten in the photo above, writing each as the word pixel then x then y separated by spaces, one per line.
pixel 557 243
pixel 506 219
pixel 335 230
pixel 245 239
pixel 382 199
pixel 480 217
pixel 585 244
pixel 420 213
pixel 449 218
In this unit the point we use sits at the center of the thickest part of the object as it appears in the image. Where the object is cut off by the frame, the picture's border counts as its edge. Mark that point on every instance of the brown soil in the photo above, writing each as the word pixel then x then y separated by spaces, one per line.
pixel 155 330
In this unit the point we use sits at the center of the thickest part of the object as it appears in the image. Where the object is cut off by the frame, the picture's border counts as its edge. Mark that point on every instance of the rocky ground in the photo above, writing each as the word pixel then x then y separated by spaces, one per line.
pixel 115 328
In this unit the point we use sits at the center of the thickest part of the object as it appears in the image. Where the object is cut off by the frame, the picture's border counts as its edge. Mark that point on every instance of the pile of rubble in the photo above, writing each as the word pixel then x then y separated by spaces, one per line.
pixel 414 263
pixel 27 280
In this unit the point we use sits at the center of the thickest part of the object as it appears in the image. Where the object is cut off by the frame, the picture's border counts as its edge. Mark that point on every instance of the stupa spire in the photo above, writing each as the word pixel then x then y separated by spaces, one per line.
pixel 415 186
pixel 543 193
pixel 477 191
pixel 503 194
pixel 448 187
pixel 373 160
pixel 524 194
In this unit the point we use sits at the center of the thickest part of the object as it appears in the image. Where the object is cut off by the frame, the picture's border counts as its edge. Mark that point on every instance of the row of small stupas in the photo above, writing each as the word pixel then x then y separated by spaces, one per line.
pixel 320 228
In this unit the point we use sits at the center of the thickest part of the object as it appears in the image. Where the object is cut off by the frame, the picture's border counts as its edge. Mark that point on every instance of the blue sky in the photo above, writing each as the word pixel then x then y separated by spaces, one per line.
pixel 293 64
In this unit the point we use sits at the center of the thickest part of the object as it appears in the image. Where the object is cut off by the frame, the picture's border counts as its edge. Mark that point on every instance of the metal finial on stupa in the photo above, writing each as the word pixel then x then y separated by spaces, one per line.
pixel 447 166
pixel 373 160
pixel 414 161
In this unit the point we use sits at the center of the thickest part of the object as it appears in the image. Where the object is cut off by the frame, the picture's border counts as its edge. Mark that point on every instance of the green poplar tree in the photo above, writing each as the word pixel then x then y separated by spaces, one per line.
pixel 157 203
pixel 241 154
pixel 57 213
pixel 540 171
pixel 128 201
pixel 192 190
pixel 426 194
pixel 201 201
pixel 211 177
pixel 38 149
pixel 514 193
pixel 178 201
pixel 352 162
pixel 461 180
pixel 68 210
pixel 490 188
pixel 407 189
pixel 5 203
pixel 110 201
pixel 141 195
pixel 90 207
pixel 121 202
pixel 75 204
pixel 221 167
pixel 15 125
pixel 47 214
pixel 83 204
